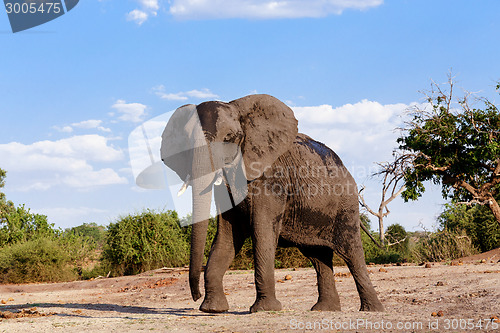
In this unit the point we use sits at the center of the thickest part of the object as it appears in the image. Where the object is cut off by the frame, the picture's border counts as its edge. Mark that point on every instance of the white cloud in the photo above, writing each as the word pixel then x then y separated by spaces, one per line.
pixel 101 177
pixel 265 9
pixel 138 16
pixel 133 112
pixel 92 123
pixel 86 124
pixel 362 133
pixel 184 96
pixel 249 9
pixel 361 112
pixel 150 4
pixel 148 8
pixel 64 129
pixel 44 164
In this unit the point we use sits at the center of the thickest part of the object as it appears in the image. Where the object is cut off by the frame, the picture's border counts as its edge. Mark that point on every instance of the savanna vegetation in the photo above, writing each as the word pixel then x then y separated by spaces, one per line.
pixel 33 250
pixel 452 144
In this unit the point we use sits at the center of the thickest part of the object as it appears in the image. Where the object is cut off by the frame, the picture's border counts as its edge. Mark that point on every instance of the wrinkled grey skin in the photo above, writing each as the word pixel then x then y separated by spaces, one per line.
pixel 313 206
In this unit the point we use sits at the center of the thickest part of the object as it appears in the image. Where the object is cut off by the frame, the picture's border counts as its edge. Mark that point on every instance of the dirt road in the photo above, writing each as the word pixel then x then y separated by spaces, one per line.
pixel 463 298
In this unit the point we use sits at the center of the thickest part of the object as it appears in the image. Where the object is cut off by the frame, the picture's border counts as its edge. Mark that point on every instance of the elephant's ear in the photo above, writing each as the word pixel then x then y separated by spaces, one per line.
pixel 269 127
pixel 176 149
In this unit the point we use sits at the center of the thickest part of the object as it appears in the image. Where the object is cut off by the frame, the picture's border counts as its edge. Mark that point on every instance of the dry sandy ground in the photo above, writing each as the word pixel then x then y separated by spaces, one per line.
pixel 467 295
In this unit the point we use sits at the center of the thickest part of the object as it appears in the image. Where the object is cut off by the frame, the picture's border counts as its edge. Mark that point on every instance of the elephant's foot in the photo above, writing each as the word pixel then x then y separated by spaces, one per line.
pixel 214 304
pixel 266 304
pixel 374 306
pixel 326 305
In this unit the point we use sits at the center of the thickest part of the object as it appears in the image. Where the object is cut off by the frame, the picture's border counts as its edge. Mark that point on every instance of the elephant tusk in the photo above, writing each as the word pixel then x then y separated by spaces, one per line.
pixel 184 186
pixel 218 178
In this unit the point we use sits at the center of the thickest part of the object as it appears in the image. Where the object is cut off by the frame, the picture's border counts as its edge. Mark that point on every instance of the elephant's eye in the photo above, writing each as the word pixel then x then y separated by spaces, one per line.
pixel 229 137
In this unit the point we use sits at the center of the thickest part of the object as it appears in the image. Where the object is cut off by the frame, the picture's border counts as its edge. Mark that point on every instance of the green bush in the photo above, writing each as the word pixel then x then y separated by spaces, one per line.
pixel 443 245
pixel 145 241
pixel 477 221
pixel 36 260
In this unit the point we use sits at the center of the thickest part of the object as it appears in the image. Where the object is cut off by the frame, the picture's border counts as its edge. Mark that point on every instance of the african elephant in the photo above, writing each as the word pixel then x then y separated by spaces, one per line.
pixel 295 192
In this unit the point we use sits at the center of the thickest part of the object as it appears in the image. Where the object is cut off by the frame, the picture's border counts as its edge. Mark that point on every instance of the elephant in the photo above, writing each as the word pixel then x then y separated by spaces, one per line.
pixel 290 191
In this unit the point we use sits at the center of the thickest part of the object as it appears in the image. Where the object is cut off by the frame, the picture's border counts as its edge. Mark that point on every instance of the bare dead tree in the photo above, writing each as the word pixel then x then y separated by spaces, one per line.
pixel 393 184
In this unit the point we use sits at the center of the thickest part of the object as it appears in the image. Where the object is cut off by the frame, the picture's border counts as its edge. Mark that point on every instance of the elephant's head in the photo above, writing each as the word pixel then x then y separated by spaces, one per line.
pixel 200 141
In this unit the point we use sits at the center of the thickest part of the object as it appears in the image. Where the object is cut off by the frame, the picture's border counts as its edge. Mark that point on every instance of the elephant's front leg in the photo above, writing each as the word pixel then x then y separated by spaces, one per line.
pixel 227 243
pixel 265 233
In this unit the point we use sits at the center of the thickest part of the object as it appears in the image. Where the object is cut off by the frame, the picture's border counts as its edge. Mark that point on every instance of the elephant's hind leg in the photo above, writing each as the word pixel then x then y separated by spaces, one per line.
pixel 321 258
pixel 353 256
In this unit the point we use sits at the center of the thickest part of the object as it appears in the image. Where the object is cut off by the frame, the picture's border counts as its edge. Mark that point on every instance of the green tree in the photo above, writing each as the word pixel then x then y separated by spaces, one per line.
pixel 18 224
pixel 92 231
pixel 6 207
pixel 398 238
pixel 457 145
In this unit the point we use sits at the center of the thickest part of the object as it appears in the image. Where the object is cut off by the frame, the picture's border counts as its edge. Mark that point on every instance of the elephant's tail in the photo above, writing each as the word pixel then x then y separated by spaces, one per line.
pixel 370 235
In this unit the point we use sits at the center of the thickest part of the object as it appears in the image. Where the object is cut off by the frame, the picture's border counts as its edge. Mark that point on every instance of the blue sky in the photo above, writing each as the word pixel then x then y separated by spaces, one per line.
pixel 72 90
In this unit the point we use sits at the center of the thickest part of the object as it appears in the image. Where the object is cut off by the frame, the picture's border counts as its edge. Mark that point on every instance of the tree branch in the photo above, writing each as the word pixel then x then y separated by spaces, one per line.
pixel 399 241
pixel 363 203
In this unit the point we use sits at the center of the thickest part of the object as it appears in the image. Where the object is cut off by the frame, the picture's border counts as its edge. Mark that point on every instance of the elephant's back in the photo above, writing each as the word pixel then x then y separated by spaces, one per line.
pixel 328 156
pixel 323 194
pixel 316 156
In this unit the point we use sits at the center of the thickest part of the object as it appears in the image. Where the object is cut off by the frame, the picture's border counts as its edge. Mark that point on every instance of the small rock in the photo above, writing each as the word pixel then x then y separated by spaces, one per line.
pixel 383 270
pixel 3 301
pixel 440 284
pixel 280 281
pixel 428 265
pixel 495 319
pixel 288 277
pixel 434 314
pixel 482 261
pixel 7 315
pixel 440 313
pixel 399 264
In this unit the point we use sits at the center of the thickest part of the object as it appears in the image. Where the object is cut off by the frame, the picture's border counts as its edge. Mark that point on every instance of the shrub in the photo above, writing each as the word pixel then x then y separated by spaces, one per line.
pixel 444 245
pixel 477 221
pixel 145 241
pixel 36 260
pixel 83 252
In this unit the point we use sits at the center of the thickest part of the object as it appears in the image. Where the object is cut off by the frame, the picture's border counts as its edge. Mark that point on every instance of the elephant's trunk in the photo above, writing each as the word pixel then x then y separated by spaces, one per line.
pixel 202 196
